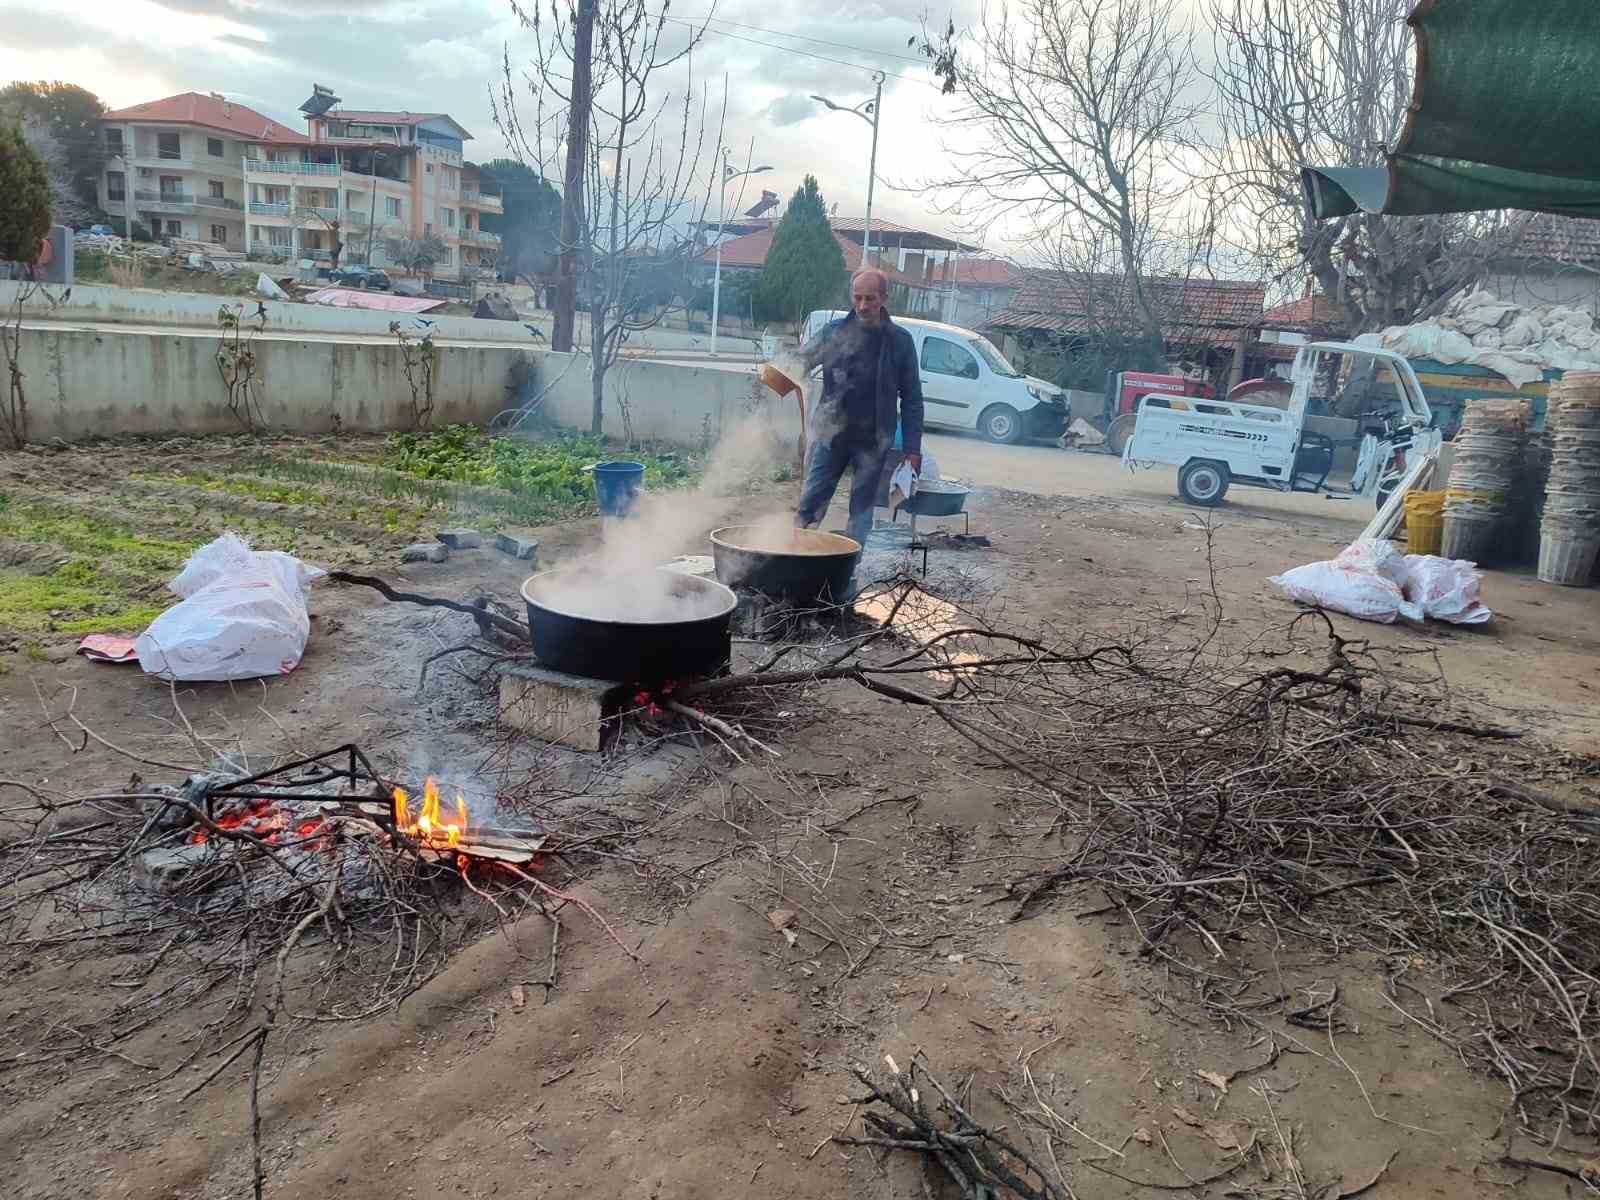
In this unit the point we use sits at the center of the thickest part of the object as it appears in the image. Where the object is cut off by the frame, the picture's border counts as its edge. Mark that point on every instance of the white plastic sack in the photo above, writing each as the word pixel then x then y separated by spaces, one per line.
pixel 242 615
pixel 1359 582
pixel 1373 581
pixel 1446 589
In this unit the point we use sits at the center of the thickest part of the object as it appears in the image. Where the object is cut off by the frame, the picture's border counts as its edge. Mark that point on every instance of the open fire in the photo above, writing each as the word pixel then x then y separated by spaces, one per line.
pixel 263 807
pixel 429 826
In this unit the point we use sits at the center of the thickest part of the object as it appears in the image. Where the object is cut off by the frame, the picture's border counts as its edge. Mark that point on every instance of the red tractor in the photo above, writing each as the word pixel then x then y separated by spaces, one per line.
pixel 1127 390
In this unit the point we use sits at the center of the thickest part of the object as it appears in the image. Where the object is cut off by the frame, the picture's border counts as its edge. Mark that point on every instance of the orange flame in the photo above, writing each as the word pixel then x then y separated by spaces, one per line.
pixel 429 827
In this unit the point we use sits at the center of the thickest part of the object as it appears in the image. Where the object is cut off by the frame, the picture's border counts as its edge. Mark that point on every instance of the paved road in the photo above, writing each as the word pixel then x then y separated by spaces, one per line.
pixel 1045 470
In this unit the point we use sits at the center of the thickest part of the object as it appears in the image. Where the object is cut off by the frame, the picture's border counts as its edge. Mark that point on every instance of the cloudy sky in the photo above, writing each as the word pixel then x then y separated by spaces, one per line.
pixel 433 55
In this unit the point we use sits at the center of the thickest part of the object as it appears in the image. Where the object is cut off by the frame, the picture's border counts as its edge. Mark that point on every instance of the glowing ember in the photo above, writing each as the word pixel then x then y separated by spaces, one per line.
pixel 265 820
pixel 429 826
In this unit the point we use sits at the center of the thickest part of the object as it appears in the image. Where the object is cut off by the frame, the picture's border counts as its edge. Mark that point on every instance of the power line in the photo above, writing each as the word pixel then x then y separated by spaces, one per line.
pixel 838 62
pixel 804 38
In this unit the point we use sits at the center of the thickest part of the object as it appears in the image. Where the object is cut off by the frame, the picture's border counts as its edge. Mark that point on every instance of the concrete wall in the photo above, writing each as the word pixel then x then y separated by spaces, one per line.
pixel 662 401
pixel 84 383
pixel 101 382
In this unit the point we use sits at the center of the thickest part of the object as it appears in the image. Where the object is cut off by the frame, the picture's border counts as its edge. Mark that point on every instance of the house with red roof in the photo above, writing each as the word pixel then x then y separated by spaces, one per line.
pixel 1073 326
pixel 204 167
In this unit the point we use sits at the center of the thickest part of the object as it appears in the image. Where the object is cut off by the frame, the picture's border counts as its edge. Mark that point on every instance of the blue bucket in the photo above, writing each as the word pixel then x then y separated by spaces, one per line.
pixel 617 486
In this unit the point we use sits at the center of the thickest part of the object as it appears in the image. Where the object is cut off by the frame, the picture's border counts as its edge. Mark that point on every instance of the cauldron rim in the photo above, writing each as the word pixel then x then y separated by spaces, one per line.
pixel 711 587
pixel 839 544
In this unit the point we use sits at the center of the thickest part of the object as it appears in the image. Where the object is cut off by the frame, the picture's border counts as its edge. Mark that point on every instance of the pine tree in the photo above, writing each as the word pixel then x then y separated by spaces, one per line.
pixel 805 267
pixel 24 198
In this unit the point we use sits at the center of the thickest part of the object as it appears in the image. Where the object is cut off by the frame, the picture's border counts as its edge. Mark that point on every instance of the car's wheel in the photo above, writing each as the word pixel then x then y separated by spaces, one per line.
pixel 1001 423
pixel 1120 432
pixel 1203 482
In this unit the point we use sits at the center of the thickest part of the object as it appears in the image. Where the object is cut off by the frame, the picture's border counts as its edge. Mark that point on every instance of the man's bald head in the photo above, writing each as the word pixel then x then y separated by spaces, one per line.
pixel 869 295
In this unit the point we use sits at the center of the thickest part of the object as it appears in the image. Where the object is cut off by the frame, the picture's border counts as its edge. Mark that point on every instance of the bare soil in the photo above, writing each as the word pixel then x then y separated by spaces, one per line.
pixel 719 1066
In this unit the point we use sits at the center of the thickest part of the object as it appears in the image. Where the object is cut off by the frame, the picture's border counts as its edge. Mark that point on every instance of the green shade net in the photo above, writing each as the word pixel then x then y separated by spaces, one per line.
pixel 1506 114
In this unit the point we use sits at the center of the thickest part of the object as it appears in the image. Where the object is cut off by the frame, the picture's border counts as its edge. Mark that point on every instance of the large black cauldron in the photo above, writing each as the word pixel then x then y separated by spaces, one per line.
pixel 801 566
pixel 649 627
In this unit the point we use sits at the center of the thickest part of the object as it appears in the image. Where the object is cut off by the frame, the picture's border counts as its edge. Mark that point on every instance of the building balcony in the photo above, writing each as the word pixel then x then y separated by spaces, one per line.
pixel 326 214
pixel 270 250
pixel 481 237
pixel 117 204
pixel 259 208
pixel 219 202
pixel 482 201
pixel 166 201
pixel 262 166
pixel 164 162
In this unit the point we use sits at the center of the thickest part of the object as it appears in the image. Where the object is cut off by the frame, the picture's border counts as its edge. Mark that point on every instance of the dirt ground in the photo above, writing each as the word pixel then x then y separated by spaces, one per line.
pixel 718 1065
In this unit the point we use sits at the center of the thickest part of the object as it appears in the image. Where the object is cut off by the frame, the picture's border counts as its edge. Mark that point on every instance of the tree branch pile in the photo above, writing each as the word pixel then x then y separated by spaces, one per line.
pixel 1227 803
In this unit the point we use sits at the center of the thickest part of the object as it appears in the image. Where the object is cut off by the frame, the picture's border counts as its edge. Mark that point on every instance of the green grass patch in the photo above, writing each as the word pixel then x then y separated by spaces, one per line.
pixel 105 577
pixel 551 469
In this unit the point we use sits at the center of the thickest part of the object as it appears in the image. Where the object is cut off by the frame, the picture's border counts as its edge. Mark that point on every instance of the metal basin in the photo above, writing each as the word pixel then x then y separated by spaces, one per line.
pixel 936 498
pixel 801 566
pixel 648 627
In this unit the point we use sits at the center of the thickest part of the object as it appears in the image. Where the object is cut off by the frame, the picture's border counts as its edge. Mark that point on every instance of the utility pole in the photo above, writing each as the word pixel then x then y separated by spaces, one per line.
pixel 572 217
pixel 868 111
pixel 728 176
pixel 872 173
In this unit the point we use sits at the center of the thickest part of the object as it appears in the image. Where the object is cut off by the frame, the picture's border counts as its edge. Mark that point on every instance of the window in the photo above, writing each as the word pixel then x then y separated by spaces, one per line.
pixel 997 361
pixel 214 147
pixel 114 142
pixel 391 207
pixel 449 215
pixel 429 168
pixel 172 185
pixel 942 357
pixel 355 201
pixel 116 183
pixel 277 237
pixel 219 234
pixel 215 187
pixel 167 146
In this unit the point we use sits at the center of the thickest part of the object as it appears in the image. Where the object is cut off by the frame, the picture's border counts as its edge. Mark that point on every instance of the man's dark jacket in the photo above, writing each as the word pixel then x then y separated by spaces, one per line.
pixel 899 389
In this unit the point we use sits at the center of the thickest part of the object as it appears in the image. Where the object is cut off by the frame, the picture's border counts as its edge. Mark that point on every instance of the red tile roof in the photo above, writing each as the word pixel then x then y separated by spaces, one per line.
pixel 1082 302
pixel 986 272
pixel 1566 239
pixel 1305 314
pixel 750 251
pixel 212 112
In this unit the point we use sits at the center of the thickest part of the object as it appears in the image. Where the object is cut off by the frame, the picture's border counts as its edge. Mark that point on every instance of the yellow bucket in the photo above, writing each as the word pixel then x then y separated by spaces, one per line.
pixel 1424 522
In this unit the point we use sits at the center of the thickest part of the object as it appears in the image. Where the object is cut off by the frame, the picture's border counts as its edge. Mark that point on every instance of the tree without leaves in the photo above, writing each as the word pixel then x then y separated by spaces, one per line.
pixel 645 154
pixel 24 198
pixel 418 254
pixel 1077 111
pixel 1327 83
pixel 334 225
pixel 805 268
pixel 73 115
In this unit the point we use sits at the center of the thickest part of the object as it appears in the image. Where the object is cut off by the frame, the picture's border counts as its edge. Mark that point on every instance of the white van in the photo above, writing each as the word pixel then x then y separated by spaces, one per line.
pixel 968 384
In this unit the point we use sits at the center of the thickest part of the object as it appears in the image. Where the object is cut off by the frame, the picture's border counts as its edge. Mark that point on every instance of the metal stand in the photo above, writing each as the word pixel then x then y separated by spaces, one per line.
pixel 923 544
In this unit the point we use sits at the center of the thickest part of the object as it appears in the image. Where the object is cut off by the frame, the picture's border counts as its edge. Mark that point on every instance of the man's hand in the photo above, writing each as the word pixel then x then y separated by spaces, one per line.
pixel 916 462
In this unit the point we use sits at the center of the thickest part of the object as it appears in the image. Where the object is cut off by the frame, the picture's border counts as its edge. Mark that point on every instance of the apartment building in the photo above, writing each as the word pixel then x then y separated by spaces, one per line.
pixel 177 165
pixel 363 177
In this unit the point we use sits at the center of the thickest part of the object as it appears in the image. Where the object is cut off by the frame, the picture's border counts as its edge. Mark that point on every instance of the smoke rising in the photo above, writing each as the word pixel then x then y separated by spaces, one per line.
pixel 619 580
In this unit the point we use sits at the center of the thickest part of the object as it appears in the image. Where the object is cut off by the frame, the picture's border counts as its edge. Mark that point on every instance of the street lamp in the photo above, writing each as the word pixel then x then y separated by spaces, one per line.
pixel 867 110
pixel 728 176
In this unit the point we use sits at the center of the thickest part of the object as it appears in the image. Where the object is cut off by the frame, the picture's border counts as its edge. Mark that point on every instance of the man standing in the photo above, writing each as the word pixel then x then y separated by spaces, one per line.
pixel 870 379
